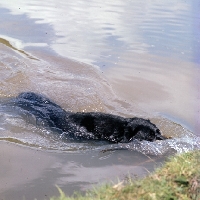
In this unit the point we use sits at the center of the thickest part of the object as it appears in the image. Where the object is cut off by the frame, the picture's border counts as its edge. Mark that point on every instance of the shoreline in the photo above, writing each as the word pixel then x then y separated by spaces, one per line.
pixel 178 178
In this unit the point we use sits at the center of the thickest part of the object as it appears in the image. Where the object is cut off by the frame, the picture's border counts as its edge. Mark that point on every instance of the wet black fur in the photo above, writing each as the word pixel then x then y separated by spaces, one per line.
pixel 91 125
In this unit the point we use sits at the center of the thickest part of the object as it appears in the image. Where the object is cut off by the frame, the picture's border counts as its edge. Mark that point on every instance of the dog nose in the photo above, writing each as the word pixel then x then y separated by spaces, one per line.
pixel 160 137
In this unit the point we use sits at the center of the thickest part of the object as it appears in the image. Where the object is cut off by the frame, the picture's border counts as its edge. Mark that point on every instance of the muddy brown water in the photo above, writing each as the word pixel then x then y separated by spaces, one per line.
pixel 126 58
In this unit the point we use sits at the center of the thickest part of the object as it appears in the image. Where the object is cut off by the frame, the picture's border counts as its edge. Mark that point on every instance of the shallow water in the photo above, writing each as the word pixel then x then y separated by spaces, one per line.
pixel 94 56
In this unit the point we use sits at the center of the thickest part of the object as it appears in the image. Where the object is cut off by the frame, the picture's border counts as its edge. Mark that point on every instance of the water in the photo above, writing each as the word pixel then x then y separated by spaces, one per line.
pixel 126 58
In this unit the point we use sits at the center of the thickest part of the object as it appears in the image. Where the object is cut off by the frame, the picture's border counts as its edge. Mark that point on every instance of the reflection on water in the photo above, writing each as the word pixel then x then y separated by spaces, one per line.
pixel 108 28
pixel 141 61
pixel 157 84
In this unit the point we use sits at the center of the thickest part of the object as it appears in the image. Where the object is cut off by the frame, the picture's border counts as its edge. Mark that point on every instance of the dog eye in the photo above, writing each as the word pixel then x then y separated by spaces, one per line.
pixel 157 131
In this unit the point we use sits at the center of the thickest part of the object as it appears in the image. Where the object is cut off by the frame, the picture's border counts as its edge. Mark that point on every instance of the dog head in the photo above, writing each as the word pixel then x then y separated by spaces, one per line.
pixel 142 129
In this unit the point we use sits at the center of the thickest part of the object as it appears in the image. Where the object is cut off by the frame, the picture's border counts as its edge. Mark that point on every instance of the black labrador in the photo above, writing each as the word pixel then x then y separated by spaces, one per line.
pixel 91 125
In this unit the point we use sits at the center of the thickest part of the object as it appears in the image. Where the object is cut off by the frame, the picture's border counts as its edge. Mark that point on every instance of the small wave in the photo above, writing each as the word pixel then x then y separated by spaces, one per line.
pixel 177 145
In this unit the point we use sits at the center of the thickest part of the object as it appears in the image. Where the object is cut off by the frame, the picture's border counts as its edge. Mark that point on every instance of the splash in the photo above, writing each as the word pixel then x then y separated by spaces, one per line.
pixel 175 145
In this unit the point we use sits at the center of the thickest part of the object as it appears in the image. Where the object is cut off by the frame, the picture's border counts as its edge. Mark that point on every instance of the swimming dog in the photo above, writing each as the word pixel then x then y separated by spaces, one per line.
pixel 86 126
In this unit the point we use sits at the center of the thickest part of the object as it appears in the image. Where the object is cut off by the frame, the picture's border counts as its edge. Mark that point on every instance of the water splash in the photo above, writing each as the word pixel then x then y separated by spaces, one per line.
pixel 176 145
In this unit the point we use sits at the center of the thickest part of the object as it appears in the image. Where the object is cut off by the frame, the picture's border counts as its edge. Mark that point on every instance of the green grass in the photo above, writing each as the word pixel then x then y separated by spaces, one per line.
pixel 179 178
